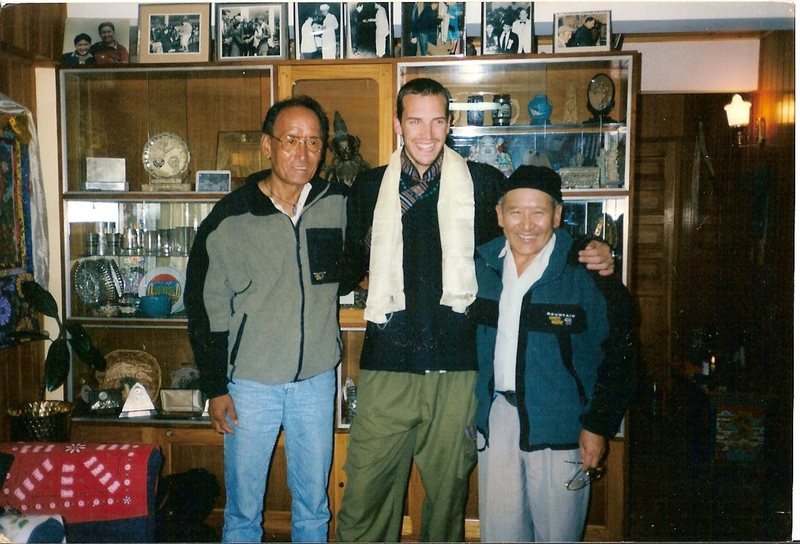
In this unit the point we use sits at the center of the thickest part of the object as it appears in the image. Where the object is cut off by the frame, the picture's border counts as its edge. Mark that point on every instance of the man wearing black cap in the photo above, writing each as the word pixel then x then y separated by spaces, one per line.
pixel 555 369
pixel 414 225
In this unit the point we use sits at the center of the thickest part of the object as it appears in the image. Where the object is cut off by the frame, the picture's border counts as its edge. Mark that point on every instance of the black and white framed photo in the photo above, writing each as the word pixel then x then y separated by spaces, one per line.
pixel 251 30
pixel 174 32
pixel 582 31
pixel 369 33
pixel 213 181
pixel 508 28
pixel 320 29
pixel 433 29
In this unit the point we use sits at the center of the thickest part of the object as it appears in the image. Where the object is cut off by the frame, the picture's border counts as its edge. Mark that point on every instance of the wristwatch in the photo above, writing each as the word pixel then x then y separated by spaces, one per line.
pixel 166 158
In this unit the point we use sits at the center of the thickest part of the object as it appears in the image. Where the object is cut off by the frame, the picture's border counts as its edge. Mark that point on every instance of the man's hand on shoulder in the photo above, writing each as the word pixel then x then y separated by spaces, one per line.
pixel 597 256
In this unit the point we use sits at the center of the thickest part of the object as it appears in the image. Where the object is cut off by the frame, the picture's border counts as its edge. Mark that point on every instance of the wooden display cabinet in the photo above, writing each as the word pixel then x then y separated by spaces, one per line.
pixel 111 113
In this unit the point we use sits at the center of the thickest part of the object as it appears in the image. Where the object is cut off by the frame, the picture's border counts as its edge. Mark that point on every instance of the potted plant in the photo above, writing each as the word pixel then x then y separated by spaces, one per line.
pixel 46 420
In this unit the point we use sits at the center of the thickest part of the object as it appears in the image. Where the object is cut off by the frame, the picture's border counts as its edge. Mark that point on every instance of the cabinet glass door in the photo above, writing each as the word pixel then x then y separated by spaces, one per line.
pixel 569 114
pixel 118 252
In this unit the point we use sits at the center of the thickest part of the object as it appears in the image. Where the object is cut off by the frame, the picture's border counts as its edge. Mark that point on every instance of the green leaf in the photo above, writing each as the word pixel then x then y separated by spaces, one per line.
pixel 56 365
pixel 83 347
pixel 41 299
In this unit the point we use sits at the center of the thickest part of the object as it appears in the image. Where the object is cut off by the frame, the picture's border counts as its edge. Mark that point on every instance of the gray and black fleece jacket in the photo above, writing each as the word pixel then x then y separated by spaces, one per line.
pixel 261 292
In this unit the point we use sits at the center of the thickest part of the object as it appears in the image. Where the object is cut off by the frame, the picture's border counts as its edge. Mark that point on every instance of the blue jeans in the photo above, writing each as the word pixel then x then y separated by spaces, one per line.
pixel 305 410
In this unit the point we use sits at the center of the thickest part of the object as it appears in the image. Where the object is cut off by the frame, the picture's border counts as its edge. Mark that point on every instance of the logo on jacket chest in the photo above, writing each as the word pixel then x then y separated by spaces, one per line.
pixel 560 319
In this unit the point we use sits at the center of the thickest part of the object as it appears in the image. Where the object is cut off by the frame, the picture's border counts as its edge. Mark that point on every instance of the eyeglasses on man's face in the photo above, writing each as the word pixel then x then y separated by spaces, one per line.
pixel 582 478
pixel 292 143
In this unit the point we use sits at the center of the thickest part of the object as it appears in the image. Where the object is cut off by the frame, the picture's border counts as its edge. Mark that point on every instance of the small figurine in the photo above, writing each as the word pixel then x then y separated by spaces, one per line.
pixel 571 106
pixel 490 150
pixel 612 164
pixel 347 161
pixel 533 158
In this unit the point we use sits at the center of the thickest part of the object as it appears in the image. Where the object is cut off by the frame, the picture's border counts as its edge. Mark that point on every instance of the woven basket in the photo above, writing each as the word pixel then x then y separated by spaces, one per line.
pixel 128 366
pixel 40 421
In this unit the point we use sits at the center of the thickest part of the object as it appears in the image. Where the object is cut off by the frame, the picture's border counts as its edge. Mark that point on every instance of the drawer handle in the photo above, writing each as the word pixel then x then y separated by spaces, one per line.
pixel 168 432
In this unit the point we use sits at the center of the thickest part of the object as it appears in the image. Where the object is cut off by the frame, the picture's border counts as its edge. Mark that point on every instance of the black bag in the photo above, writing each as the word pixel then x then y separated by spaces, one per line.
pixel 184 502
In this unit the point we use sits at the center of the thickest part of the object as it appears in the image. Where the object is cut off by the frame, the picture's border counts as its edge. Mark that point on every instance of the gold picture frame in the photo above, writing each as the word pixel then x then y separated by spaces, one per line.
pixel 174 33
pixel 240 153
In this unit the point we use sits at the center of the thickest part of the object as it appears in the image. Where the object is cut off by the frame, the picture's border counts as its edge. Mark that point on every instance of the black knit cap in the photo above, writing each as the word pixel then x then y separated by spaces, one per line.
pixel 535 177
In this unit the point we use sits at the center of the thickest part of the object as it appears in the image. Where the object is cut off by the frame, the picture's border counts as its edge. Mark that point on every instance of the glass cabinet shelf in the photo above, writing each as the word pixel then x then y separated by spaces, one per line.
pixel 108 115
pixel 119 251
pixel 567 113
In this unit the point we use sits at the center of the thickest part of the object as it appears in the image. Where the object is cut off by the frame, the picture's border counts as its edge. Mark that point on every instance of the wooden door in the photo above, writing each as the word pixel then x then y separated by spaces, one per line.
pixel 657 170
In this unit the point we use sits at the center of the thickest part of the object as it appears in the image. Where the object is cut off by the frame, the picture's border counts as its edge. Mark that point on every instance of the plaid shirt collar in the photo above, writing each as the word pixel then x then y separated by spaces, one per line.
pixel 408 169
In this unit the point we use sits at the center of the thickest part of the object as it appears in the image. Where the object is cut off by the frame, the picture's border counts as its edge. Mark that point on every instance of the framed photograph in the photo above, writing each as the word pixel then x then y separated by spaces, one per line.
pixel 240 153
pixel 174 32
pixel 213 181
pixel 369 33
pixel 433 29
pixel 82 39
pixel 251 30
pixel 508 28
pixel 582 31
pixel 320 34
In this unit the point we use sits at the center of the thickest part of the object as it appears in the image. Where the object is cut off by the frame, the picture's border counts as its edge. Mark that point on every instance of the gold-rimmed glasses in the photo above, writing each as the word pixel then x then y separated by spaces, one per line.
pixel 291 143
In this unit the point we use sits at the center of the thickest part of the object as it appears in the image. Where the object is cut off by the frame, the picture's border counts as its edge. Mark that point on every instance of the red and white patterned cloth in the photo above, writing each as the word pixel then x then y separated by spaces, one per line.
pixel 82 482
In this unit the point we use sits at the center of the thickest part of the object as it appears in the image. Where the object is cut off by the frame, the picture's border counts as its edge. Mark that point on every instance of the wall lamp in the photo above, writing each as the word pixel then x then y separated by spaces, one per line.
pixel 738 112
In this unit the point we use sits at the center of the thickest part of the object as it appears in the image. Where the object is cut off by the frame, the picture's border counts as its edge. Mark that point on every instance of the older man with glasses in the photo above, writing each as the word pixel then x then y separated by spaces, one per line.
pixel 261 298
pixel 556 356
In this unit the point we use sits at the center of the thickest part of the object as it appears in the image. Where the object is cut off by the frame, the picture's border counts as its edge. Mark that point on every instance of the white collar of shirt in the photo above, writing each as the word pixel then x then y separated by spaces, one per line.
pixel 510 306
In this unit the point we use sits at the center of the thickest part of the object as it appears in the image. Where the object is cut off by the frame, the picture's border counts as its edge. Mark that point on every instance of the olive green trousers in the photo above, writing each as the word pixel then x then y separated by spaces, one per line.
pixel 403 417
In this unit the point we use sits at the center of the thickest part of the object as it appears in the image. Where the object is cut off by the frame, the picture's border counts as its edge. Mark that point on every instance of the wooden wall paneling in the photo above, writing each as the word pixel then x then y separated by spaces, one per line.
pixel 772 358
pixel 660 116
pixel 21 366
pixel 34 29
pixel 17 80
pixel 773 278
pixel 21 375
pixel 776 85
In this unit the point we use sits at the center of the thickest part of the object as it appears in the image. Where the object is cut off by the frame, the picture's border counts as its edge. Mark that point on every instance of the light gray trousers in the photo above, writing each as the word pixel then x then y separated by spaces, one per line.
pixel 522 495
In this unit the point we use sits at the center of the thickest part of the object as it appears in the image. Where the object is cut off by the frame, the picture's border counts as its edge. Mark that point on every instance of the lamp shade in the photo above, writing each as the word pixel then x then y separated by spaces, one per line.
pixel 738 112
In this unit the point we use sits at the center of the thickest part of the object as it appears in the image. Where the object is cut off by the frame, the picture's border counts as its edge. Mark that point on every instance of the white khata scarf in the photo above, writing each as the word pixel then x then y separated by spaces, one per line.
pixel 456 211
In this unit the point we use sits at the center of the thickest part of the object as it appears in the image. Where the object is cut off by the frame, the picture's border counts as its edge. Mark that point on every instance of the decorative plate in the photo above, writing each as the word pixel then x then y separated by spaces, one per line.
pixel 97 280
pixel 164 280
pixel 128 366
pixel 166 158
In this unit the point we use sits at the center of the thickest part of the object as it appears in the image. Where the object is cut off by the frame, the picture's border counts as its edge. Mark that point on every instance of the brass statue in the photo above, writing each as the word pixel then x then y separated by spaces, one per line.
pixel 347 161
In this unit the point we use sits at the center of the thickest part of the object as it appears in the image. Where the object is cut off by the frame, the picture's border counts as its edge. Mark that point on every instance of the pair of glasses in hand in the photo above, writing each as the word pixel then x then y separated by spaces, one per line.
pixel 582 478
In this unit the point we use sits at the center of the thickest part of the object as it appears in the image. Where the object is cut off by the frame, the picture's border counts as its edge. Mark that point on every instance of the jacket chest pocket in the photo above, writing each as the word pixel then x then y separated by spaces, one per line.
pixel 325 255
